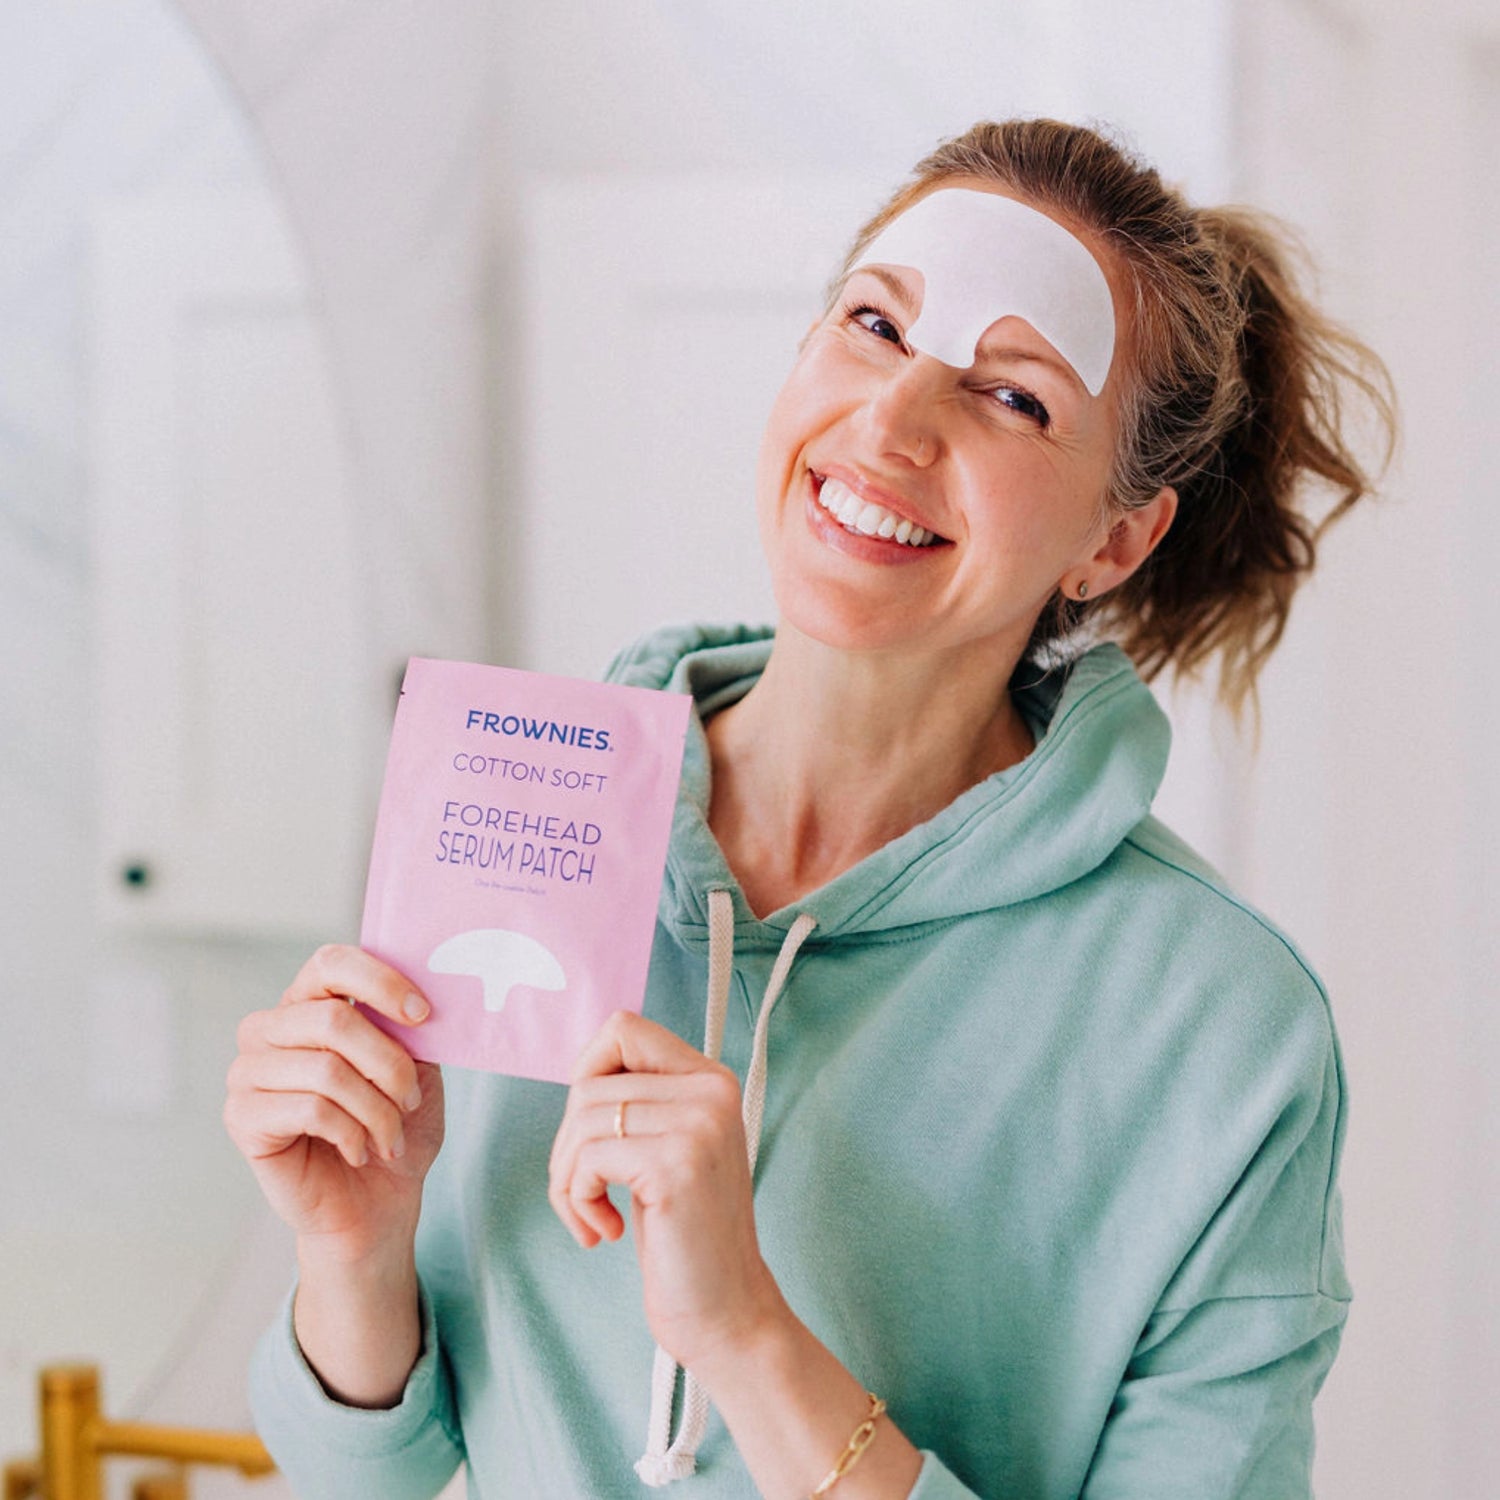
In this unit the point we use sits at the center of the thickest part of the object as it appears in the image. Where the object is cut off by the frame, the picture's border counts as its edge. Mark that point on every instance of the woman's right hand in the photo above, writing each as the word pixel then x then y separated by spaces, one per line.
pixel 338 1122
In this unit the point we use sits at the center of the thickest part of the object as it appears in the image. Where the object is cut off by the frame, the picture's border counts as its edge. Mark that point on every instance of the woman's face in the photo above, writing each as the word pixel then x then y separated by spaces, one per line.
pixel 1005 464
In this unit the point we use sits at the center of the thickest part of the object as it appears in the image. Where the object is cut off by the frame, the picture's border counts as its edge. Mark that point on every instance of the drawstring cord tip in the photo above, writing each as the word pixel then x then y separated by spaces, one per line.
pixel 657 1469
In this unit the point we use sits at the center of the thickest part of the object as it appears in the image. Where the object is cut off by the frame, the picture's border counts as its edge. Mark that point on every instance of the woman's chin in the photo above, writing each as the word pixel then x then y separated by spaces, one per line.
pixel 841 624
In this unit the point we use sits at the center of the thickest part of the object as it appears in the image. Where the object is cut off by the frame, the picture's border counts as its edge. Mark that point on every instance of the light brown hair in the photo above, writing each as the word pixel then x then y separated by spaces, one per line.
pixel 1237 397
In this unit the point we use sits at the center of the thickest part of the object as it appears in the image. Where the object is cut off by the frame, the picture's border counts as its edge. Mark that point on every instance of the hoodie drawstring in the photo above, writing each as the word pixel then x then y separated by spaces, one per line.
pixel 661 1464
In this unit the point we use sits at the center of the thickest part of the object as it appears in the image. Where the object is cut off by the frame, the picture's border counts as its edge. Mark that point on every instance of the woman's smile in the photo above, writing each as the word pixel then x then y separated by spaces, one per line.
pixel 847 511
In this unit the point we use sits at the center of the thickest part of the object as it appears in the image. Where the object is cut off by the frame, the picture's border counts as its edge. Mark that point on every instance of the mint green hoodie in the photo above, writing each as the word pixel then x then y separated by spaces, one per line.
pixel 1048 1161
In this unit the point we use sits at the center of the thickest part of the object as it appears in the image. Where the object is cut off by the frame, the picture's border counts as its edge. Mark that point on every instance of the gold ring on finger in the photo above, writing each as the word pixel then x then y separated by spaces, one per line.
pixel 620 1119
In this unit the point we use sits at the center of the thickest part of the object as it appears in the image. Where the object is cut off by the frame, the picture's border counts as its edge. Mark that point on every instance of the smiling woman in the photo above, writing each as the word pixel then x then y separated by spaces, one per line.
pixel 1001 1158
pixel 943 389
pixel 1237 394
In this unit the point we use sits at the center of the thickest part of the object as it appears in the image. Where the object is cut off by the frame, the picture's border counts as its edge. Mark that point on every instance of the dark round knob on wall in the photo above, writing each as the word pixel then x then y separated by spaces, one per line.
pixel 136 874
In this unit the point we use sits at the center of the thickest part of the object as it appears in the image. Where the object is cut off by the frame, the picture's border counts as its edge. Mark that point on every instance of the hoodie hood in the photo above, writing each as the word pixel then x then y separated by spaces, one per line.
pixel 1101 752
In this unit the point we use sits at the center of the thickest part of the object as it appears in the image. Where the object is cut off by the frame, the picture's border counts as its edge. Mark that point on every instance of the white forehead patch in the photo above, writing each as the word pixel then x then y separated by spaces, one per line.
pixel 984 257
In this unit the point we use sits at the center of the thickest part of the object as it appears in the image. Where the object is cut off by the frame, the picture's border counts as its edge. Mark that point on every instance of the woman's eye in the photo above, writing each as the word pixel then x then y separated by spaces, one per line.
pixel 1018 400
pixel 876 322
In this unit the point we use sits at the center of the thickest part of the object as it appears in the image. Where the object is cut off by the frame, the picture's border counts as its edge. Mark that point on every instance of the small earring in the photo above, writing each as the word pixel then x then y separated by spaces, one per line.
pixel 1083 589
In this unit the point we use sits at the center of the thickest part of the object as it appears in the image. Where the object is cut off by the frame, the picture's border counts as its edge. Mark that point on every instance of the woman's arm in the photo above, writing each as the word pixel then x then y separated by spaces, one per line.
pixel 340 1125
pixel 357 1320
pixel 711 1301
pixel 792 1408
pixel 329 1450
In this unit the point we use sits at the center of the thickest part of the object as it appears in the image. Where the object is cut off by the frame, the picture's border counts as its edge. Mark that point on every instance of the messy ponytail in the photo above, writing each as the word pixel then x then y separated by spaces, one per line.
pixel 1237 396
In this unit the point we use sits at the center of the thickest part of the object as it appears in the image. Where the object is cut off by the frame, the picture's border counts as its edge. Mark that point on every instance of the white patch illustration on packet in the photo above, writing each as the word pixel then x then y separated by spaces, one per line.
pixel 982 257
pixel 500 959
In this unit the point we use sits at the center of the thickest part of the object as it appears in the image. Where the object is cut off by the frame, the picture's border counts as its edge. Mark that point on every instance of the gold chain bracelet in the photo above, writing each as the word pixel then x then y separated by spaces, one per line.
pixel 854 1450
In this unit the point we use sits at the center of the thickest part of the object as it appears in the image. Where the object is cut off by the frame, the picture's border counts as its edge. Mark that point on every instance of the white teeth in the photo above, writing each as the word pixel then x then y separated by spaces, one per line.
pixel 870 519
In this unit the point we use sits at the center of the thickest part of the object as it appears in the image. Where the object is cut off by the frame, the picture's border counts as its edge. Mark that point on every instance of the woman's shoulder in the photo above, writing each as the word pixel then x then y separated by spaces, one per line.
pixel 1175 866
pixel 1199 935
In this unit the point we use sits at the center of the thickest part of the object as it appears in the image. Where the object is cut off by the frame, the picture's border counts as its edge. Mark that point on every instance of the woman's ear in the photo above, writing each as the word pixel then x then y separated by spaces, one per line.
pixel 1133 537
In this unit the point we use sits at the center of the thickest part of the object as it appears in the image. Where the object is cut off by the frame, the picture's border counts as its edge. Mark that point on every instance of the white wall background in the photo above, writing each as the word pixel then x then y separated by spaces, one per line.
pixel 123 1208
pixel 1370 819
pixel 116 1192
pixel 416 148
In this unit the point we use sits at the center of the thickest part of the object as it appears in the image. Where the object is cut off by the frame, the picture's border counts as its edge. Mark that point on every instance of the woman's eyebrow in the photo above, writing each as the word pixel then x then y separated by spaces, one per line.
pixel 892 283
pixel 999 351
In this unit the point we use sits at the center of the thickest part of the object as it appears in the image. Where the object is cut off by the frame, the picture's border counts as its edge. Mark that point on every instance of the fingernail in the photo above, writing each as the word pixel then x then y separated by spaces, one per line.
pixel 361 1156
pixel 398 1146
pixel 414 1007
pixel 413 1100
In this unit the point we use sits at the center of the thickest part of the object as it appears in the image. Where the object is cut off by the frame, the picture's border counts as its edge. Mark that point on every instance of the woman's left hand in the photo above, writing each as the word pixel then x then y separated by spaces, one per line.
pixel 651 1112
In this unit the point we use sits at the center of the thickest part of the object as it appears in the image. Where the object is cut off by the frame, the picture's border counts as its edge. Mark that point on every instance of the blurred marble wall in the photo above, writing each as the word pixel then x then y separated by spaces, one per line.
pixel 121 1200
pixel 377 123
pixel 96 102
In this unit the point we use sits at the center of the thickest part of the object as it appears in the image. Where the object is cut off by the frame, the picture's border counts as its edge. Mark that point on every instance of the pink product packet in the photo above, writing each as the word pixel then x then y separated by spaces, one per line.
pixel 518 858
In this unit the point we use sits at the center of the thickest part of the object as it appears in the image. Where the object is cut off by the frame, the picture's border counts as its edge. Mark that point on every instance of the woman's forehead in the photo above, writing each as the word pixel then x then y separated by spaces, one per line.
pixel 982 257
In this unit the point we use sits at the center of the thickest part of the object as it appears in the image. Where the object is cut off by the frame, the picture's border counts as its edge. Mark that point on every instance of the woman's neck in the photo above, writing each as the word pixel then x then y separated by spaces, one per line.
pixel 833 754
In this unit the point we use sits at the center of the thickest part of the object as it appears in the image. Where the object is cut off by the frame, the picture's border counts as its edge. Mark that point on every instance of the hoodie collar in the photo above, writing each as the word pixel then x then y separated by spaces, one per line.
pixel 1101 751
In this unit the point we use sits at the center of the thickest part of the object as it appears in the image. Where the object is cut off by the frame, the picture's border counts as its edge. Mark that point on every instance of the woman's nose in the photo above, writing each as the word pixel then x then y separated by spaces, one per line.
pixel 902 414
